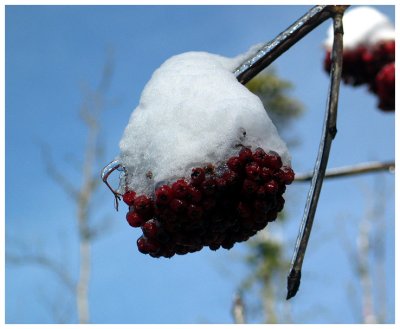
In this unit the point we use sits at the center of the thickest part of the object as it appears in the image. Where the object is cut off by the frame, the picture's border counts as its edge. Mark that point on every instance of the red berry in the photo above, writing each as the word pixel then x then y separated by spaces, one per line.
pixel 271 215
pixel 178 206
pixel 209 186
pixel 280 203
pixel 194 212
pixel 227 244
pixel 272 160
pixel 181 250
pixel 259 155
pixel 389 47
pixel 134 219
pixel 129 197
pixel 266 173
pixel 249 187
pixel 260 225
pixel 234 164
pixel 271 187
pixel 214 246
pixel 286 175
pixel 146 245
pixel 262 192
pixel 180 188
pixel 231 178
pixel 198 176
pixel 385 87
pixel 143 205
pixel 367 56
pixel 253 170
pixel 245 155
pixel 193 195
pixel 151 228
pixel 164 195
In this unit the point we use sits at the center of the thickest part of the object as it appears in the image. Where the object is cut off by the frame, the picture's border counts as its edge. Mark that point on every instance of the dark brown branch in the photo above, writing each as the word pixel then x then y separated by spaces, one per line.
pixel 358 169
pixel 281 43
pixel 328 134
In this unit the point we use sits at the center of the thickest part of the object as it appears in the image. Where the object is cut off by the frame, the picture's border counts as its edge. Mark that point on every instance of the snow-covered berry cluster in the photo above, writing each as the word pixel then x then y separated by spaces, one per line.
pixel 217 206
pixel 203 163
pixel 368 53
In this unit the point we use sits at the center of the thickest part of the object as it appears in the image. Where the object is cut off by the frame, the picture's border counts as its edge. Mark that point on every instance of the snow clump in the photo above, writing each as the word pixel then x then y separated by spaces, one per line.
pixel 192 112
pixel 363 26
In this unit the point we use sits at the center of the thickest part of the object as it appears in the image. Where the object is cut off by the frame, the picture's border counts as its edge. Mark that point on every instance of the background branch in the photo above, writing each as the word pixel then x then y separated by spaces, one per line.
pixel 51 169
pixel 45 262
pixel 362 168
pixel 238 311
pixel 94 103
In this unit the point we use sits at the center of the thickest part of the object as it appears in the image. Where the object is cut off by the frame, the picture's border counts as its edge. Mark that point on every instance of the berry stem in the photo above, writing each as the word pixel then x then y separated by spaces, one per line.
pixel 328 134
pixel 106 172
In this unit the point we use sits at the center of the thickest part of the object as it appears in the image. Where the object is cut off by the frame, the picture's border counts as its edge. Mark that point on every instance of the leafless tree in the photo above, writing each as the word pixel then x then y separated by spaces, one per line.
pixel 94 103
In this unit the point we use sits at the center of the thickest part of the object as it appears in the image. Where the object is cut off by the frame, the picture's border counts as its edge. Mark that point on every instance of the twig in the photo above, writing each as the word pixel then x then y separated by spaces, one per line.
pixel 328 134
pixel 276 47
pixel 362 168
pixel 51 169
pixel 44 261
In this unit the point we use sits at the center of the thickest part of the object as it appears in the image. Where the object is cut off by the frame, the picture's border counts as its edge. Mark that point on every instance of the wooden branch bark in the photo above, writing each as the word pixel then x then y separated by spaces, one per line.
pixel 358 169
pixel 328 134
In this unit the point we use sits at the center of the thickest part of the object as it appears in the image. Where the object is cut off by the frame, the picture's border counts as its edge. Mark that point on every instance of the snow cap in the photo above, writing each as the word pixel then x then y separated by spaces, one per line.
pixel 193 112
pixel 363 26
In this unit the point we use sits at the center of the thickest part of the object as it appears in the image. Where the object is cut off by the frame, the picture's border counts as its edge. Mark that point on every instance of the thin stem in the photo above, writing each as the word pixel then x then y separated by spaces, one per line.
pixel 328 134
pixel 276 47
pixel 362 168
pixel 106 172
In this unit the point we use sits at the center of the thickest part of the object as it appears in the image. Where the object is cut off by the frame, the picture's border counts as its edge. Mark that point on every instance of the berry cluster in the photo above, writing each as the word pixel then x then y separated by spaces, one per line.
pixel 365 65
pixel 217 206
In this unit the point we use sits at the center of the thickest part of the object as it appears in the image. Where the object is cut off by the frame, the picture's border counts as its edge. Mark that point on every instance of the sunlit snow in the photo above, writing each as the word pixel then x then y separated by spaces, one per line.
pixel 363 26
pixel 192 112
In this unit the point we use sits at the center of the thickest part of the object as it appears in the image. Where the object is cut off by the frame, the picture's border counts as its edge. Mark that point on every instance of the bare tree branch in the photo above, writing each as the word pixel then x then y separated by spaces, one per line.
pixel 276 47
pixel 60 179
pixel 44 261
pixel 90 182
pixel 362 168
pixel 93 105
pixel 328 134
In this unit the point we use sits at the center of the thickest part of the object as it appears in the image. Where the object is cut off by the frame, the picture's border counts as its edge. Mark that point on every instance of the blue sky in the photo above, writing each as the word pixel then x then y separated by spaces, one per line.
pixel 53 52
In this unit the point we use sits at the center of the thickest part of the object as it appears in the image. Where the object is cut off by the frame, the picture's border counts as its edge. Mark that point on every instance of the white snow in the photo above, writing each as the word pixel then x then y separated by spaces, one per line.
pixel 363 26
pixel 192 112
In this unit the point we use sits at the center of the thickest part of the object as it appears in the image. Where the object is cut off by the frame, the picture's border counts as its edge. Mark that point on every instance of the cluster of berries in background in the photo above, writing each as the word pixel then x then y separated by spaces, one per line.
pixel 372 66
pixel 217 206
